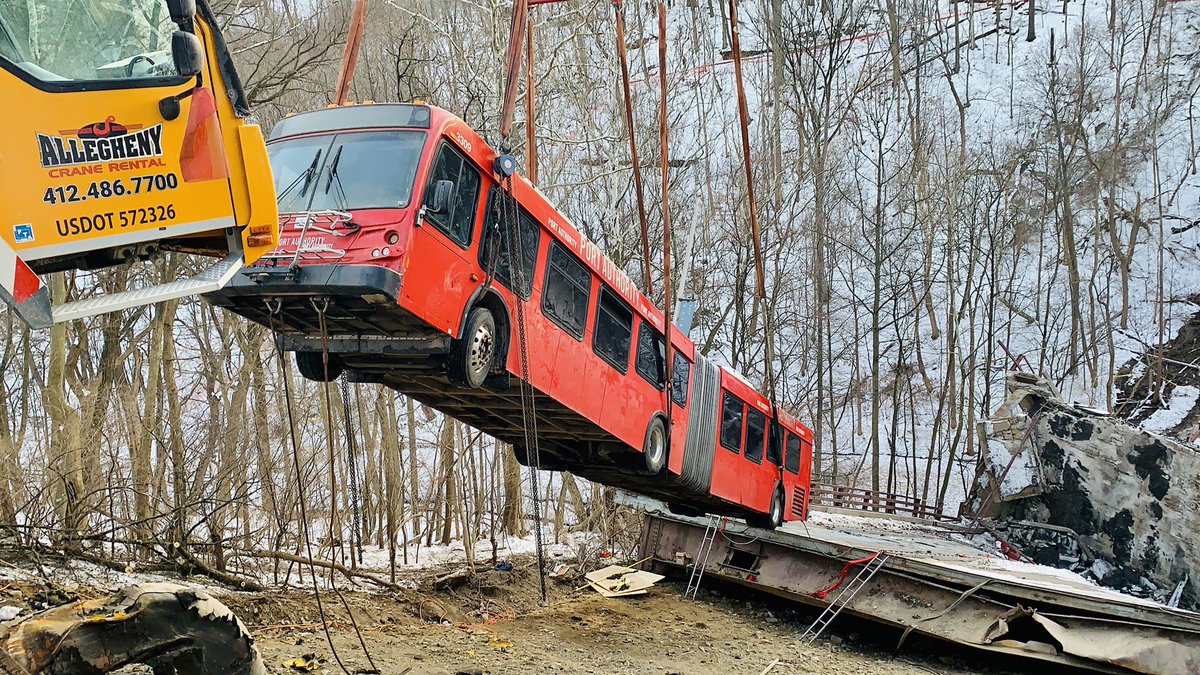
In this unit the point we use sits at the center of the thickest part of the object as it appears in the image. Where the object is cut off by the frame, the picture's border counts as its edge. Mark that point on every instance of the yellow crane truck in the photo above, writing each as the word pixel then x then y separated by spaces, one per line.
pixel 124 134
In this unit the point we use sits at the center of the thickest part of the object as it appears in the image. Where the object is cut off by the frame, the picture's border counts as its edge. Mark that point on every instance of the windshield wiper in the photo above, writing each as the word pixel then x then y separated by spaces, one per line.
pixel 334 176
pixel 306 177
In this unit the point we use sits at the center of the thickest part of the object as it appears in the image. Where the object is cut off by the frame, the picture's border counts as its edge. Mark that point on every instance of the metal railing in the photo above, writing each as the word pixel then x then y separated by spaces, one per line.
pixel 862 499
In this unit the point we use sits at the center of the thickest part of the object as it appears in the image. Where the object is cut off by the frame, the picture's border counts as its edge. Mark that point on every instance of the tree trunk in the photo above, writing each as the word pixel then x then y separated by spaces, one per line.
pixel 513 512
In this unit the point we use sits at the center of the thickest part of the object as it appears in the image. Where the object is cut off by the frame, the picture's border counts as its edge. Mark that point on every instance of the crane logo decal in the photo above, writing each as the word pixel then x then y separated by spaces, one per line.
pixel 100 142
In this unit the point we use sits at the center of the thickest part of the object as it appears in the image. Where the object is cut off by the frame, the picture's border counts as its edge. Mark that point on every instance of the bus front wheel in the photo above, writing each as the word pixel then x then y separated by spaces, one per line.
pixel 472 355
pixel 312 366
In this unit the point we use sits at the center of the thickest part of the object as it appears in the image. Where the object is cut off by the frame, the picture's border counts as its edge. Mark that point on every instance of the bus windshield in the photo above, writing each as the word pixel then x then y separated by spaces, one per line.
pixel 347 171
pixel 65 41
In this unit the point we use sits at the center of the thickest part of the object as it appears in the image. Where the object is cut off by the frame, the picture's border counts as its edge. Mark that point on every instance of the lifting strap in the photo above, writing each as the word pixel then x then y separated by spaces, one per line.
pixel 273 308
pixel 352 466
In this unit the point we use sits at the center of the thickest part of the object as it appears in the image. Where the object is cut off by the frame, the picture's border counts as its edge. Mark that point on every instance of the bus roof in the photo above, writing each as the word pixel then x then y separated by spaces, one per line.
pixel 362 116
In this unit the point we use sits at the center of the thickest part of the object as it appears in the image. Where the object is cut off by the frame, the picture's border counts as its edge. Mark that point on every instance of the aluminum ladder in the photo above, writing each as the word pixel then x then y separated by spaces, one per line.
pixel 845 596
pixel 706 544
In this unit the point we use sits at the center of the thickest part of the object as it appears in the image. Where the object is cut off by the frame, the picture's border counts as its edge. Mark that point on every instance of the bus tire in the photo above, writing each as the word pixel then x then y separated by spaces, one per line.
pixel 773 518
pixel 473 355
pixel 312 367
pixel 546 461
pixel 654 447
pixel 520 454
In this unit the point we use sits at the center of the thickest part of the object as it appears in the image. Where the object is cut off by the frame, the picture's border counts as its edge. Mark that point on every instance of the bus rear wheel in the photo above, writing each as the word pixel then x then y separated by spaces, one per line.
pixel 312 366
pixel 654 448
pixel 773 518
pixel 474 353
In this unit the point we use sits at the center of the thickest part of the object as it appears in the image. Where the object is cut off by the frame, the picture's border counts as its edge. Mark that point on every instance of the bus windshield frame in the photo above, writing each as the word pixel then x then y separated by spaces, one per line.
pixel 74 46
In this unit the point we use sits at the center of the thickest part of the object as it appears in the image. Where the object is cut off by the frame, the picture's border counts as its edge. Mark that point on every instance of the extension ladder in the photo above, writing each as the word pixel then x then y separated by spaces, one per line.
pixel 845 596
pixel 710 535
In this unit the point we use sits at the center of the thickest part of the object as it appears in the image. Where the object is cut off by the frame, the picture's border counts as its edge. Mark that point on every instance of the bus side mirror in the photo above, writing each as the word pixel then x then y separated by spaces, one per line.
pixel 443 192
pixel 187 53
pixel 182 11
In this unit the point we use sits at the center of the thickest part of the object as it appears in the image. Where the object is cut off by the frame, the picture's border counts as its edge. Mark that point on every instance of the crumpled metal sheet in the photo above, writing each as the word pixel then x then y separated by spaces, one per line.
pixel 1141 649
pixel 161 625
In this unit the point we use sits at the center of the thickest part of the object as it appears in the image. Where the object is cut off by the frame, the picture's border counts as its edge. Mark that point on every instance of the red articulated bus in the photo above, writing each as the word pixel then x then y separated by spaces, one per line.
pixel 404 255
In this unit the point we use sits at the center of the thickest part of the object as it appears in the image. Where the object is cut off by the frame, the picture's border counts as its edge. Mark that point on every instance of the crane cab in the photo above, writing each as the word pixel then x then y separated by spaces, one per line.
pixel 124 136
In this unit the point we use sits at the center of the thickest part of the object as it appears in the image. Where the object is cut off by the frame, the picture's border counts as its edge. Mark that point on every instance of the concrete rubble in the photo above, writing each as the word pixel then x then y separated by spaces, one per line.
pixel 1079 489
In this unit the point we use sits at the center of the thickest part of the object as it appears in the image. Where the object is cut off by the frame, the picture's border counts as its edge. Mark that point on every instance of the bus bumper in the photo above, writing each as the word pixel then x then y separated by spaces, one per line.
pixel 346 299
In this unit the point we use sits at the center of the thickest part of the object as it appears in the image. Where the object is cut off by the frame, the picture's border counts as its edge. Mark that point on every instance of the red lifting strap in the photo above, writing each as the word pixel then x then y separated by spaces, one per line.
pixel 820 595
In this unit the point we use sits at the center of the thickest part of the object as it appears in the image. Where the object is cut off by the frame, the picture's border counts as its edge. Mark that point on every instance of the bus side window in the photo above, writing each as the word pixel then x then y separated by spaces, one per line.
pixel 756 432
pixel 680 378
pixel 568 291
pixel 494 255
pixel 792 460
pixel 650 356
pixel 459 217
pixel 614 330
pixel 733 410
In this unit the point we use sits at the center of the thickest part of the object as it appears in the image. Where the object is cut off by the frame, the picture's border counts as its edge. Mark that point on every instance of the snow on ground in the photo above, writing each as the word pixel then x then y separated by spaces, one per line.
pixel 883 525
pixel 425 557
pixel 80 576
pixel 1042 576
pixel 1183 401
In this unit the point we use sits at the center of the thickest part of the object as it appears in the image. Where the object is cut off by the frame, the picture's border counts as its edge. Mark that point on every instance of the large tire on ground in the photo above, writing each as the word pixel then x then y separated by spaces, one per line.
pixel 171 628
pixel 773 518
pixel 654 448
pixel 312 366
pixel 473 355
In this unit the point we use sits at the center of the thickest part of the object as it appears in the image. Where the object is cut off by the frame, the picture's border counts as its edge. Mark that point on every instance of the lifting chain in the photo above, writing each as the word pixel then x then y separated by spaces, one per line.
pixel 322 310
pixel 516 274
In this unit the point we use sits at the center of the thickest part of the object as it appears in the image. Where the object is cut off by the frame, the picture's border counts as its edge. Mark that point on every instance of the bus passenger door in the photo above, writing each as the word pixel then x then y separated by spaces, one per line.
pixel 775 461
pixel 438 274
pixel 680 415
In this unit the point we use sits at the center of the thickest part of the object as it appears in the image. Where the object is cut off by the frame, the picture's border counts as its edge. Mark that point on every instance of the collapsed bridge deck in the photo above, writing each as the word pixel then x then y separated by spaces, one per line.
pixel 940 582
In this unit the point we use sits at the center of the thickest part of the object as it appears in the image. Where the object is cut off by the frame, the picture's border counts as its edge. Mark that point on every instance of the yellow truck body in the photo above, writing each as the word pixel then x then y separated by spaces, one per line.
pixel 108 154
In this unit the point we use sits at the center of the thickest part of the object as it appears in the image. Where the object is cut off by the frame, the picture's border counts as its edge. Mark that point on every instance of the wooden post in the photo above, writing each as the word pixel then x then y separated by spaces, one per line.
pixel 760 274
pixel 516 40
pixel 744 116
pixel 531 162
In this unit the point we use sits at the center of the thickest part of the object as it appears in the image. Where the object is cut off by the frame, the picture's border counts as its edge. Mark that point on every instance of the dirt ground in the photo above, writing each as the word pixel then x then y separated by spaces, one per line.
pixel 494 623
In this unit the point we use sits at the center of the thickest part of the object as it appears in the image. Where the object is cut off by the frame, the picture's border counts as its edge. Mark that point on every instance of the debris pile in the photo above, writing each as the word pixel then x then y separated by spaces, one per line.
pixel 1079 489
pixel 617 581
